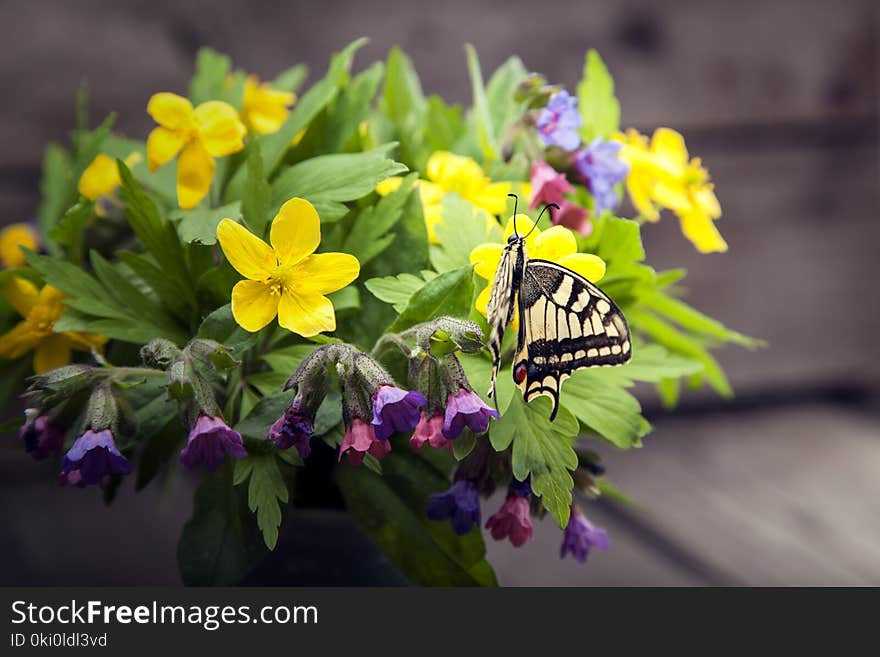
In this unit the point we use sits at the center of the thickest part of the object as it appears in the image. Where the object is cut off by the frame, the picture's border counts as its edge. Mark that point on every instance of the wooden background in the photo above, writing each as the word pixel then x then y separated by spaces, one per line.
pixel 778 487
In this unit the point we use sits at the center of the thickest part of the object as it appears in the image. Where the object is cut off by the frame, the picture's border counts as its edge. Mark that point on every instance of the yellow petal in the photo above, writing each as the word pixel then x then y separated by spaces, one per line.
pixel 306 315
pixel 433 217
pixel 12 237
pixel 673 196
pixel 195 170
pixel 705 198
pixel 254 304
pixel 52 352
pixel 590 266
pixel 323 273
pixel 170 110
pixel 100 178
pixel 51 296
pixel 220 129
pixel 16 342
pixel 554 243
pixel 162 145
pixel 265 108
pixel 523 224
pixel 296 231
pixel 385 187
pixel 485 258
pixel 85 341
pixel 430 193
pixel 248 254
pixel 669 148
pixel 699 228
pixel 482 302
pixel 22 294
pixel 492 198
pixel 639 194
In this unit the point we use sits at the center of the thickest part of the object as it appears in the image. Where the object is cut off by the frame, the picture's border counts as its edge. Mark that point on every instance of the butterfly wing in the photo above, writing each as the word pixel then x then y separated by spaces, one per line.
pixel 566 323
pixel 499 311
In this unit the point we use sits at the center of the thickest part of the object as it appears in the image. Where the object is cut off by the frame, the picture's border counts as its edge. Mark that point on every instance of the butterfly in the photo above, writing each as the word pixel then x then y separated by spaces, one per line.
pixel 565 322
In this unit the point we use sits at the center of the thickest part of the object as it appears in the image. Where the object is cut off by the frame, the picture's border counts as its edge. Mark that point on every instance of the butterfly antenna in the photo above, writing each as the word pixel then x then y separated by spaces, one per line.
pixel 546 208
pixel 515 205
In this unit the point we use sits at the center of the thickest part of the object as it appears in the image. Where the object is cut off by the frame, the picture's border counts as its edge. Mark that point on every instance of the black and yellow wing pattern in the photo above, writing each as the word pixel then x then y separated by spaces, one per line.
pixel 565 323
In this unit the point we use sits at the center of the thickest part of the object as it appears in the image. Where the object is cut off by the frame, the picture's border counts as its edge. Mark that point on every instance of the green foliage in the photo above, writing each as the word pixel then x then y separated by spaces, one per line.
pixel 463 228
pixel 405 106
pixel 542 449
pixel 391 509
pixel 449 294
pixel 255 208
pixel 267 490
pixel 372 232
pixel 596 100
pixel 212 69
pixel 398 290
pixel 482 117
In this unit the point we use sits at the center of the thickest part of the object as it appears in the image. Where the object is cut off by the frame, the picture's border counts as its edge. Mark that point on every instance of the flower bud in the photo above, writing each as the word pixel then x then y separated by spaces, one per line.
pixel 360 439
pixel 60 384
pixel 160 353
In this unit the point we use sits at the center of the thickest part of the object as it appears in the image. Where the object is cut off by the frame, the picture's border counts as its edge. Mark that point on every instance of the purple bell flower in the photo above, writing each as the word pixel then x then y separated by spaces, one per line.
pixel 460 504
pixel 581 536
pixel 41 437
pixel 601 168
pixel 209 441
pixel 558 123
pixel 396 410
pixel 293 429
pixel 92 458
pixel 465 408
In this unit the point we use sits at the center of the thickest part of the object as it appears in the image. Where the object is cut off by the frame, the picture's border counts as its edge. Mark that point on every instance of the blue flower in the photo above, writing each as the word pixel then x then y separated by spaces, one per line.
pixel 601 168
pixel 293 429
pixel 558 123
pixel 581 536
pixel 209 441
pixel 396 410
pixel 92 458
pixel 466 409
pixel 460 504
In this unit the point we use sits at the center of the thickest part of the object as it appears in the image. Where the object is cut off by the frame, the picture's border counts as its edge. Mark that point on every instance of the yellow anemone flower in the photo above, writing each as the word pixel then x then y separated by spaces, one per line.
pixel 12 237
pixel 287 279
pixel 662 174
pixel 264 108
pixel 211 130
pixel 41 309
pixel 556 244
pixel 101 177
pixel 448 172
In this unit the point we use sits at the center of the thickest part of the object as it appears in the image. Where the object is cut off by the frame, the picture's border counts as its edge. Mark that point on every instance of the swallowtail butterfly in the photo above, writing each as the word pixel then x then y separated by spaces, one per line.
pixel 565 322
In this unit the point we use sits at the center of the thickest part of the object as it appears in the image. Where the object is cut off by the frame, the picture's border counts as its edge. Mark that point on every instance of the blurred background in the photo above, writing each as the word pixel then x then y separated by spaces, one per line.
pixel 780 486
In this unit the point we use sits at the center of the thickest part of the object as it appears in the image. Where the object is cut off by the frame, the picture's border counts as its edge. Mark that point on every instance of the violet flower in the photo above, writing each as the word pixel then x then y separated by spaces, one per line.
pixel 360 439
pixel 581 536
pixel 512 521
pixel 395 410
pixel 558 123
pixel 465 408
pixel 209 441
pixel 41 437
pixel 430 430
pixel 92 458
pixel 293 429
pixel 460 504
pixel 602 168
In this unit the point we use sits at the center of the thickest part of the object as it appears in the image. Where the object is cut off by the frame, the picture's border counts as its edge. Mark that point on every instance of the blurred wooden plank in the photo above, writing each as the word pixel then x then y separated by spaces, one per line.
pixel 767 497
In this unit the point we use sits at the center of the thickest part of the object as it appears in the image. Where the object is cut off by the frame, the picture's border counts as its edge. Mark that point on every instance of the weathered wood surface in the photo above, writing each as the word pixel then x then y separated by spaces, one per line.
pixel 779 98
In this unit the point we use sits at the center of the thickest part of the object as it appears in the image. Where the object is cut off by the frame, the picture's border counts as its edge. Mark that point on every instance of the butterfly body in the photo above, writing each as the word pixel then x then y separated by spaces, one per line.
pixel 565 323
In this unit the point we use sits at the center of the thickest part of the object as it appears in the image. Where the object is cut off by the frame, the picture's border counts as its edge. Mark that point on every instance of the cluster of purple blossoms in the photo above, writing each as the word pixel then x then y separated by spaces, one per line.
pixel 293 429
pixel 460 504
pixel 550 186
pixel 559 121
pixel 601 167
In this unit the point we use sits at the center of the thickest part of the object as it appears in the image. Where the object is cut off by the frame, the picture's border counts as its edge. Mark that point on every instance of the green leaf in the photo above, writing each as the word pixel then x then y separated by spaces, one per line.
pixel 288 359
pixel 267 490
pixel 542 449
pixel 501 96
pixel 597 103
pixel 291 79
pixel 606 407
pixel 463 227
pixel 329 180
pixel 405 105
pixel 220 543
pixel 160 432
pixel 199 225
pixel 482 116
pixel 392 509
pixel 70 229
pixel 398 290
pixel 153 277
pixel 221 327
pixel 55 190
pixel 370 235
pixel 255 198
pixel 256 425
pixel 443 126
pixel 693 320
pixel 448 294
pixel 212 68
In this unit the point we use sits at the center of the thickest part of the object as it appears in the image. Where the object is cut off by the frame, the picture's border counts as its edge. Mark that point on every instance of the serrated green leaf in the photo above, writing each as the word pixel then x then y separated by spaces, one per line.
pixel 597 103
pixel 448 294
pixel 463 227
pixel 369 236
pixel 267 490
pixel 542 449
pixel 398 290
pixel 603 404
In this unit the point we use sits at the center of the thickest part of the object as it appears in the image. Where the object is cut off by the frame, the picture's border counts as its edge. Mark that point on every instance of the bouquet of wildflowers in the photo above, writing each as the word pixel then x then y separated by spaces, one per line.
pixel 272 283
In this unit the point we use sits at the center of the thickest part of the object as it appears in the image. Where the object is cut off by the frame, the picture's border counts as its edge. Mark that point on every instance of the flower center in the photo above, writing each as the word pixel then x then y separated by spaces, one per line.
pixel 41 320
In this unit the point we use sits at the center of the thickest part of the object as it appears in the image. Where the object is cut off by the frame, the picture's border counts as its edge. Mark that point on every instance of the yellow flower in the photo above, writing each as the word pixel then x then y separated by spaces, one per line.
pixel 211 130
pixel 41 309
pixel 13 236
pixel 264 108
pixel 662 174
pixel 448 172
pixel 287 279
pixel 556 244
pixel 101 177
